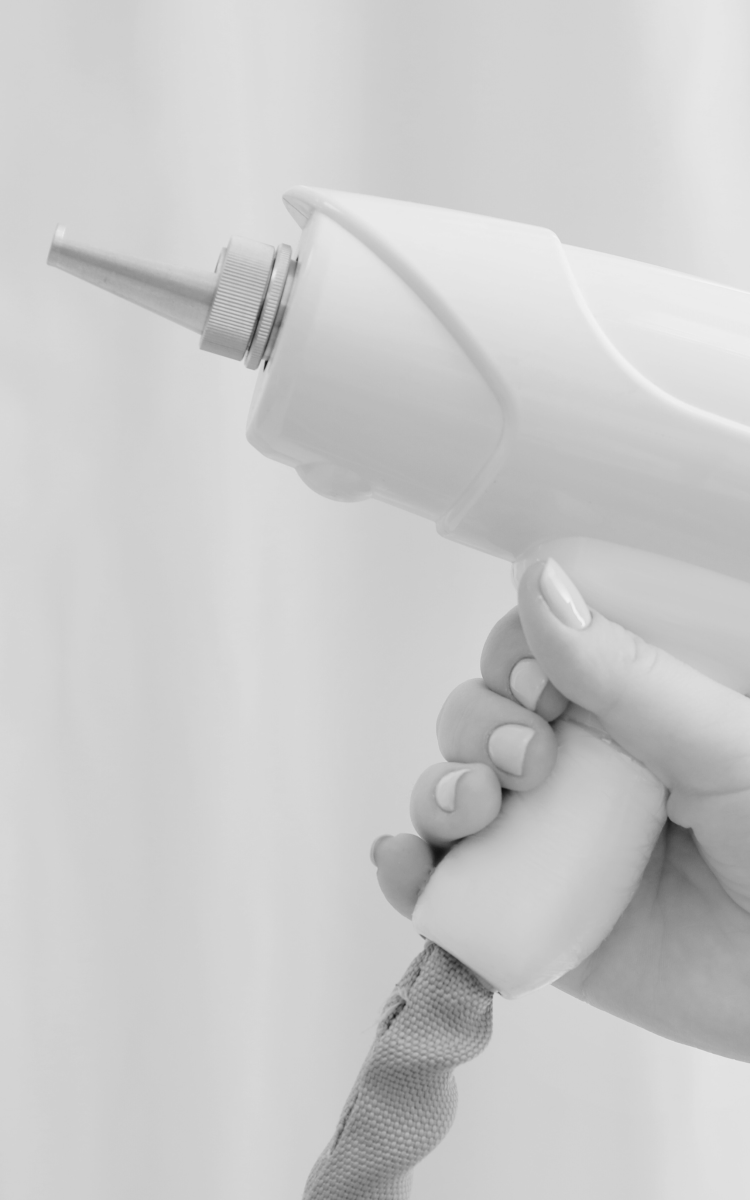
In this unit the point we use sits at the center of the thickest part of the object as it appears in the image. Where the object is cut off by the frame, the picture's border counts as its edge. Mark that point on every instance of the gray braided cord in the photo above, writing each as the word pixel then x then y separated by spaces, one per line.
pixel 404 1099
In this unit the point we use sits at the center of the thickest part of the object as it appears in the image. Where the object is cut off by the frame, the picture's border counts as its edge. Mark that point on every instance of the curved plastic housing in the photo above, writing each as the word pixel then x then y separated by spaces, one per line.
pixel 524 394
pixel 584 429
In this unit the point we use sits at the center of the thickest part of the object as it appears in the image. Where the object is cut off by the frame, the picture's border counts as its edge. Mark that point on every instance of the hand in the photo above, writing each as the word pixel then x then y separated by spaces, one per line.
pixel 678 960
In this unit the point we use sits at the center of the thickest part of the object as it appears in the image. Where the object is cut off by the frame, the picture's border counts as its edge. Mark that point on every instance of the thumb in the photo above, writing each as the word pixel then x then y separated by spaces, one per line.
pixel 691 732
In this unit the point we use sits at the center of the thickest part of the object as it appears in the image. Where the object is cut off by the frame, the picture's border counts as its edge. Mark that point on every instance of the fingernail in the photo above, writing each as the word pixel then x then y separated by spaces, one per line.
pixel 527 682
pixel 445 791
pixel 374 847
pixel 507 747
pixel 563 596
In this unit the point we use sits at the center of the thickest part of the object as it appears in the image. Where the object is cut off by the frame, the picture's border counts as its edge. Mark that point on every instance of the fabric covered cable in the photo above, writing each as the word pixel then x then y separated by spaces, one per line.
pixel 404 1099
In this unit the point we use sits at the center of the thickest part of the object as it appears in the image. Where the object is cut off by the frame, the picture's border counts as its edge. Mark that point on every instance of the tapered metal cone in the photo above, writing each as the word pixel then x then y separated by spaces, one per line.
pixel 181 296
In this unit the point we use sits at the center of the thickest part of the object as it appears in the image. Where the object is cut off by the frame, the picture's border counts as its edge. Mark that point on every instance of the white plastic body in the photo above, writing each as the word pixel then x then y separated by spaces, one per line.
pixel 531 399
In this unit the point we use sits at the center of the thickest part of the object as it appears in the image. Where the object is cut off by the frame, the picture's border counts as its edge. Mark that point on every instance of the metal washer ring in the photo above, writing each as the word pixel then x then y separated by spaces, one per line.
pixel 270 307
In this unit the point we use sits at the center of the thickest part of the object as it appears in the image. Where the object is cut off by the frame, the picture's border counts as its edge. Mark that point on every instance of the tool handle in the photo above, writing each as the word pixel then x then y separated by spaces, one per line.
pixel 527 899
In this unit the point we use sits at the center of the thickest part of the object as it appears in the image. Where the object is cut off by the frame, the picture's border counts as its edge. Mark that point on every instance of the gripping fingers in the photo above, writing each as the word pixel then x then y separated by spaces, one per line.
pixel 495 734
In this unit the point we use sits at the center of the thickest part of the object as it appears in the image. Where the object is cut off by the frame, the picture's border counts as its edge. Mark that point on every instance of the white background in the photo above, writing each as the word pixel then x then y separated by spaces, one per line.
pixel 216 687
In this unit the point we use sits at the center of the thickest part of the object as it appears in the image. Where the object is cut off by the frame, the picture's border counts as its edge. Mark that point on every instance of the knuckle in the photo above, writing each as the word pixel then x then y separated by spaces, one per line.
pixel 455 714
pixel 634 662
pixel 506 640
pixel 642 659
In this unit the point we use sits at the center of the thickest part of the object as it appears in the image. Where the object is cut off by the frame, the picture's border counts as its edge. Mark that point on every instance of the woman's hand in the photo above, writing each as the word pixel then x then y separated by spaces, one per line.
pixel 678 960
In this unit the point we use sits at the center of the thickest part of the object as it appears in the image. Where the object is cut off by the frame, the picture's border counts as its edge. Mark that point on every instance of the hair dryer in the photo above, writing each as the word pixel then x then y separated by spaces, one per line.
pixel 532 399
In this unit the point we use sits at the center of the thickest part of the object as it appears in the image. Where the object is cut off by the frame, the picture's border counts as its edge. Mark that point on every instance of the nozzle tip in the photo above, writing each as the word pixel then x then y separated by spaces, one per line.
pixel 57 241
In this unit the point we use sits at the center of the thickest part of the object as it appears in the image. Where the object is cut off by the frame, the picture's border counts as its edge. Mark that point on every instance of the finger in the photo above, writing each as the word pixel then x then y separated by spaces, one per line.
pixel 476 725
pixel 693 733
pixel 452 800
pixel 404 864
pixel 509 668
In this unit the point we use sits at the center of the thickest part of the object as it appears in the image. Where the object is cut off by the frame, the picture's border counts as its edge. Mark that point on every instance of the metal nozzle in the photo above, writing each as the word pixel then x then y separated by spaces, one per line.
pixel 234 309
pixel 182 296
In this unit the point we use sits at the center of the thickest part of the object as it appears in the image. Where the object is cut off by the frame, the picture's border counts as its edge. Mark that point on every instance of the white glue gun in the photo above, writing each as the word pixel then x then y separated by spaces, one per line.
pixel 534 400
